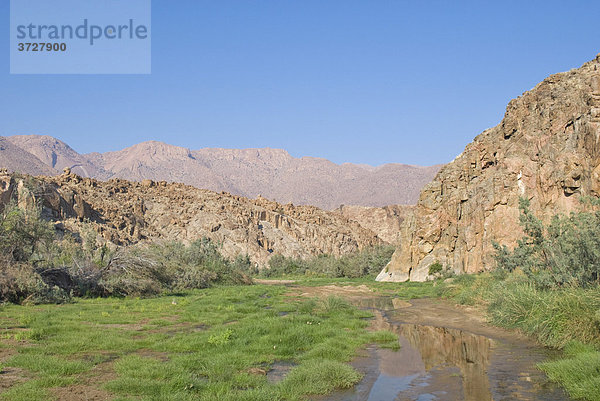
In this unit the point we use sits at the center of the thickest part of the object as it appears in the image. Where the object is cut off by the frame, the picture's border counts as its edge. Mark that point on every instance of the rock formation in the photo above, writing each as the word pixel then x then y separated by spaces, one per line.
pixel 124 213
pixel 546 149
pixel 385 221
pixel 274 173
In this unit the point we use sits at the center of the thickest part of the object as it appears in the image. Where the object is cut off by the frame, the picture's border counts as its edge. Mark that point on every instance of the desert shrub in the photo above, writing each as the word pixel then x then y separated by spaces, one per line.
pixel 137 271
pixel 22 233
pixel 564 252
pixel 242 263
pixel 86 278
pixel 150 269
pixel 194 277
pixel 24 236
pixel 367 262
pixel 279 265
pixel 435 268
pixel 127 285
pixel 20 283
pixel 36 266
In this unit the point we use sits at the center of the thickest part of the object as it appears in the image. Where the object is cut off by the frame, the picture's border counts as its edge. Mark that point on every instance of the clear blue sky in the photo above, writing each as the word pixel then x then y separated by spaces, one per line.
pixel 352 81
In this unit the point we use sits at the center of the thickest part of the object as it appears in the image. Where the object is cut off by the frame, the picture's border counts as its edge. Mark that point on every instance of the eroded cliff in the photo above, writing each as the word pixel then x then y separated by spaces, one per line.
pixel 546 149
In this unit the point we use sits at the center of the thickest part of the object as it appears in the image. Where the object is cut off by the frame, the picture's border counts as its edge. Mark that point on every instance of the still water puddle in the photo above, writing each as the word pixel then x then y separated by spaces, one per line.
pixel 443 363
pixel 279 371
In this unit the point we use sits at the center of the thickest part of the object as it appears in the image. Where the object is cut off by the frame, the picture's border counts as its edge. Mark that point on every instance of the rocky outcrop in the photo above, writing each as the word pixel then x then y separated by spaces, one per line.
pixel 7 187
pixel 124 213
pixel 385 221
pixel 546 149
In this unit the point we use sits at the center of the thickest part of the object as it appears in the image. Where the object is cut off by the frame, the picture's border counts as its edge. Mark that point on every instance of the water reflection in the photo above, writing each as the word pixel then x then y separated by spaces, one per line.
pixel 440 363
pixel 444 348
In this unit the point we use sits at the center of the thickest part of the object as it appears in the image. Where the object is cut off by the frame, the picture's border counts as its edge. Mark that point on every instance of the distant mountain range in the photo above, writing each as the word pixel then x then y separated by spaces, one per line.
pixel 272 173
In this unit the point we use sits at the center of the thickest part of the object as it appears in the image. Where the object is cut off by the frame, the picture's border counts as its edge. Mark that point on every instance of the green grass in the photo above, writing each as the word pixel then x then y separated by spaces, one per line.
pixel 202 345
pixel 578 371
pixel 407 290
pixel 554 317
pixel 565 318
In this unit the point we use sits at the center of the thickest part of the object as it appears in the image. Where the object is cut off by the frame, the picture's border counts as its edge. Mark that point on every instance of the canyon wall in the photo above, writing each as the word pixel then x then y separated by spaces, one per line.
pixel 546 149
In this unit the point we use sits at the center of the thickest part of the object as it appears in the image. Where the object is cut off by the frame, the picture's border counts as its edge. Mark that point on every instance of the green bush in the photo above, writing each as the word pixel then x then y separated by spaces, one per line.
pixel 23 233
pixel 435 268
pixel 564 252
pixel 150 269
pixel 36 266
pixel 367 262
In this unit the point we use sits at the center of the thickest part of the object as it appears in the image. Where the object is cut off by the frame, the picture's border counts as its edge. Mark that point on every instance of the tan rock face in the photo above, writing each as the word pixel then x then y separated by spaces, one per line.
pixel 546 148
pixel 125 212
pixel 385 221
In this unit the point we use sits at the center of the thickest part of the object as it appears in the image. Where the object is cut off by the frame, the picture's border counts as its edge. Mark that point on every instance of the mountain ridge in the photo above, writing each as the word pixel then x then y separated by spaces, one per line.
pixel 270 172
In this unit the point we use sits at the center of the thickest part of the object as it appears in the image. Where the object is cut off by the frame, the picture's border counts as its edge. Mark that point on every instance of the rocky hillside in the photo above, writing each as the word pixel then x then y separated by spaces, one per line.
pixel 16 159
pixel 57 155
pixel 385 221
pixel 124 212
pixel 272 173
pixel 546 149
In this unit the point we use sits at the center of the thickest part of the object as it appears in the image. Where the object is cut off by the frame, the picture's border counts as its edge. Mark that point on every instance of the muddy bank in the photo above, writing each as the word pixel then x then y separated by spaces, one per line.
pixel 448 353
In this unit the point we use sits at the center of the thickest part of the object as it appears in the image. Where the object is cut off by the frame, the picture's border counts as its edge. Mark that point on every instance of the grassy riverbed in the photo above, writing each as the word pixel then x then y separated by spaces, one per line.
pixel 566 318
pixel 213 344
pixel 219 343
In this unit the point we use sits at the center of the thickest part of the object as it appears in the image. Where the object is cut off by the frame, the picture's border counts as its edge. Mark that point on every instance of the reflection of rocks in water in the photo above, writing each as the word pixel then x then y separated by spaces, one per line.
pixel 446 364
pixel 424 348
pixel 439 346
pixel 380 303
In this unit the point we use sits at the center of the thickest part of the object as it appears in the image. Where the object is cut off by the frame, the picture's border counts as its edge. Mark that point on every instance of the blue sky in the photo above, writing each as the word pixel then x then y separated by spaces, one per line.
pixel 352 81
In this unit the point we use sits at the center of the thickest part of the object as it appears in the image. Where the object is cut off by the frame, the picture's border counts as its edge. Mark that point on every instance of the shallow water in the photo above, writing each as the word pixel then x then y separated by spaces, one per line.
pixel 279 371
pixel 467 360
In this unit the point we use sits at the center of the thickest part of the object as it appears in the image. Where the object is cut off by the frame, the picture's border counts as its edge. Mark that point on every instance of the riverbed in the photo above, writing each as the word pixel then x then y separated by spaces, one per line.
pixel 447 353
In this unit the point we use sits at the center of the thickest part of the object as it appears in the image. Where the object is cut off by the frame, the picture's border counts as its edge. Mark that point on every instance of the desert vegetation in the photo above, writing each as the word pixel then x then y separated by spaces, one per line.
pixel 162 321
pixel 548 288
pixel 38 267
pixel 365 263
